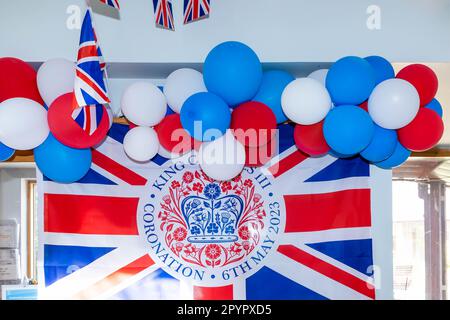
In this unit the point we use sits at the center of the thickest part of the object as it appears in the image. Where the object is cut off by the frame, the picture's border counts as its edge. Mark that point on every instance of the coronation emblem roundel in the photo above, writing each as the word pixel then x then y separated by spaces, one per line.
pixel 208 232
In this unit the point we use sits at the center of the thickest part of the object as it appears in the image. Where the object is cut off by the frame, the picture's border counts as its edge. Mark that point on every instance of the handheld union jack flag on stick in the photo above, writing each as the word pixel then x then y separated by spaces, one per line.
pixel 111 3
pixel 194 10
pixel 163 14
pixel 88 117
pixel 89 86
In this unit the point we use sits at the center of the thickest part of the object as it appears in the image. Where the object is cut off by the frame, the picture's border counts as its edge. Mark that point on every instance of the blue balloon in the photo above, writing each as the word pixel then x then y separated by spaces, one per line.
pixel 340 155
pixel 272 86
pixel 205 116
pixel 5 152
pixel 435 106
pixel 382 145
pixel 348 129
pixel 350 81
pixel 61 163
pixel 383 69
pixel 233 71
pixel 399 156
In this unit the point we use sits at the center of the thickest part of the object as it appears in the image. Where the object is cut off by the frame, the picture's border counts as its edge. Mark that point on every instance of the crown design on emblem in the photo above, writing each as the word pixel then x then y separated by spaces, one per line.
pixel 212 217
pixel 210 223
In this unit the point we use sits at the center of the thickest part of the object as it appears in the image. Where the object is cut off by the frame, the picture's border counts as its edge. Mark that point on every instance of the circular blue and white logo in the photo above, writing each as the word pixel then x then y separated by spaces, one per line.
pixel 208 232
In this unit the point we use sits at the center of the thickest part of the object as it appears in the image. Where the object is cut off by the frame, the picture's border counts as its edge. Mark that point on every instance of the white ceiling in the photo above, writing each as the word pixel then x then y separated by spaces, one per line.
pixel 442 71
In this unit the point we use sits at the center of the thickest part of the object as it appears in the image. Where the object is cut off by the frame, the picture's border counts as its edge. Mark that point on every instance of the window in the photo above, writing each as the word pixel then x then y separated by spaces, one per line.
pixel 31 237
pixel 420 253
pixel 409 241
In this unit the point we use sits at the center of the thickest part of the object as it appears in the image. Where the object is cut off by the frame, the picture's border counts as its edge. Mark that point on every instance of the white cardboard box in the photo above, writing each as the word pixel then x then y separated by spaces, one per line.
pixel 9 234
pixel 9 264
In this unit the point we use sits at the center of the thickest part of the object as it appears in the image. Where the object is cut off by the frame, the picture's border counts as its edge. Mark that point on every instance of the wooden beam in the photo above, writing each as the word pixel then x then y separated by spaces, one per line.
pixel 22 156
pixel 121 120
pixel 437 152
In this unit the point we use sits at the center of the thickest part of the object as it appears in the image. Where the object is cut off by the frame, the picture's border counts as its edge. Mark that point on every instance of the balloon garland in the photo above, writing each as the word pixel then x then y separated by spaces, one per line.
pixel 227 115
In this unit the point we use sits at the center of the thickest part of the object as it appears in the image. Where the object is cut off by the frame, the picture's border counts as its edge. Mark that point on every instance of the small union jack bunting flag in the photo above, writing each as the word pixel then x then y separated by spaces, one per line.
pixel 111 3
pixel 89 86
pixel 163 14
pixel 194 10
pixel 88 117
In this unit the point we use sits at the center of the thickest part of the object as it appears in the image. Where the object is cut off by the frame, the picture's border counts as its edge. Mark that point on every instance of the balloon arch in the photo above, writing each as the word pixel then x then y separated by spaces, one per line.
pixel 359 107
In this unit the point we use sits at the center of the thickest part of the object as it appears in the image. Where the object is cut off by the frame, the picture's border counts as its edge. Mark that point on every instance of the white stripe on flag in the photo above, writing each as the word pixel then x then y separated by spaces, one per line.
pixel 92 240
pixel 122 191
pixel 325 235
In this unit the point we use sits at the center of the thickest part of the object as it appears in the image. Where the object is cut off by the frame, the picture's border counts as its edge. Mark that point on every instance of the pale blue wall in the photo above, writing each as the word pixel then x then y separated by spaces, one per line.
pixel 279 30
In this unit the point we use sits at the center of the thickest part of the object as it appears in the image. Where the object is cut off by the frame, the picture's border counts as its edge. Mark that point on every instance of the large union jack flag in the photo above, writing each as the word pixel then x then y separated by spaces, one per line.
pixel 194 10
pixel 90 85
pixel 90 246
pixel 111 3
pixel 163 14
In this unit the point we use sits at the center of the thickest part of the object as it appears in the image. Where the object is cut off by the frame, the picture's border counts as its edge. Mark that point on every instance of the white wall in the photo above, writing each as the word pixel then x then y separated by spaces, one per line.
pixel 10 191
pixel 381 205
pixel 279 30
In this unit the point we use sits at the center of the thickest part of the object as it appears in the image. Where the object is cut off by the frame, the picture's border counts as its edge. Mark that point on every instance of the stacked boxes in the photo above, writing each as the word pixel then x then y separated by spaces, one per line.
pixel 9 253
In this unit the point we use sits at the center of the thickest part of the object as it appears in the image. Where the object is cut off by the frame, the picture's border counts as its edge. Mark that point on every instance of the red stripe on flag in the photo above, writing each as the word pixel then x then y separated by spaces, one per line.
pixel 164 5
pixel 287 163
pixel 340 209
pixel 116 278
pixel 93 85
pixel 328 270
pixel 87 51
pixel 90 214
pixel 117 169
pixel 88 119
pixel 195 9
pixel 213 293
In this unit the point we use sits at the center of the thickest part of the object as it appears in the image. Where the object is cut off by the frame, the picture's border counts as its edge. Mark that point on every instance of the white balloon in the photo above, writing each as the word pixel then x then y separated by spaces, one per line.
pixel 180 85
pixel 319 75
pixel 144 104
pixel 305 101
pixel 141 144
pixel 23 123
pixel 393 103
pixel 55 78
pixel 223 158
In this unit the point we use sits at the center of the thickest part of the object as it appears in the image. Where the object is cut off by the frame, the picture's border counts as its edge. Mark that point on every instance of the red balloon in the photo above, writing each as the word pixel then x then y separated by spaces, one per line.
pixel 365 105
pixel 259 156
pixel 67 131
pixel 423 79
pixel 173 137
pixel 423 133
pixel 18 80
pixel 253 124
pixel 310 139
